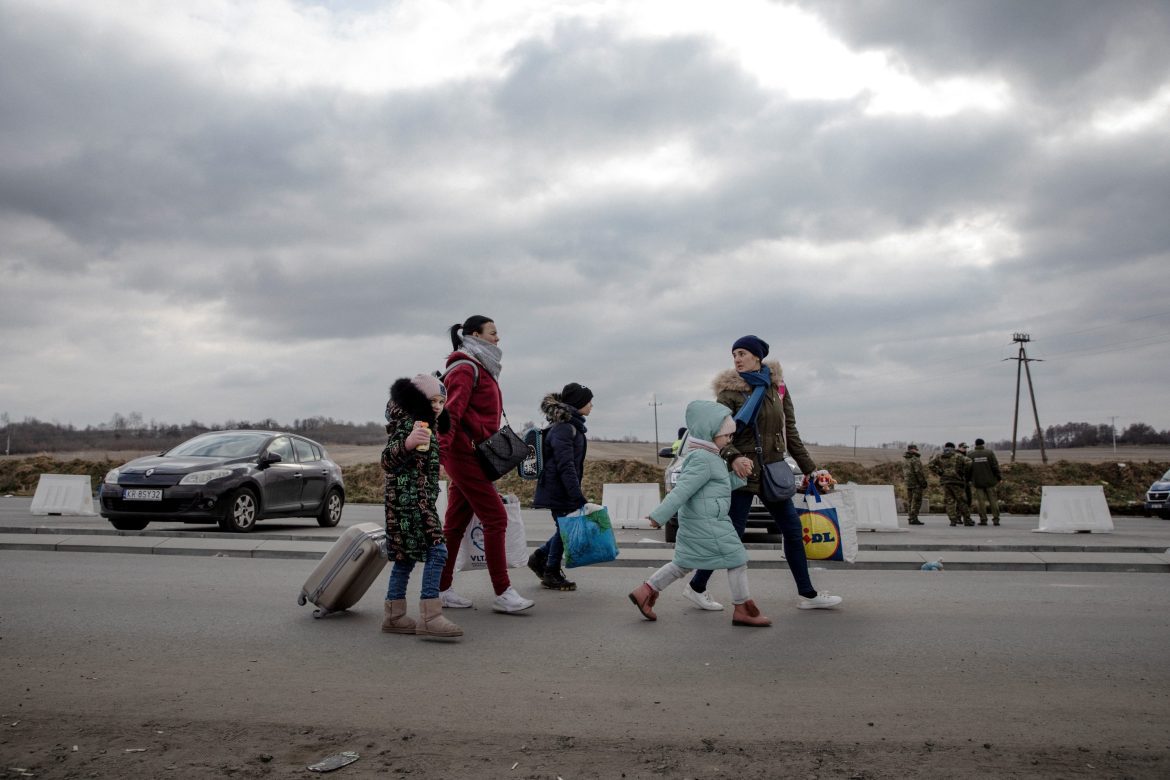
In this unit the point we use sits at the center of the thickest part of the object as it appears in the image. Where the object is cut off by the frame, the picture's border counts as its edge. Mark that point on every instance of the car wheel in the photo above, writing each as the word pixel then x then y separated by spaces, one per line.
pixel 242 512
pixel 330 514
pixel 129 525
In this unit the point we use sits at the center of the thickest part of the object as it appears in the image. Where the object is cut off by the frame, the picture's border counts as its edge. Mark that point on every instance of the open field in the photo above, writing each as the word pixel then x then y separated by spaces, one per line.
pixel 346 455
pixel 351 455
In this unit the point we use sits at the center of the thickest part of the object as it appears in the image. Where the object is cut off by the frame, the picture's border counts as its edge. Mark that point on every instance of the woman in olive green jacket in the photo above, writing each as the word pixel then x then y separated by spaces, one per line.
pixel 758 398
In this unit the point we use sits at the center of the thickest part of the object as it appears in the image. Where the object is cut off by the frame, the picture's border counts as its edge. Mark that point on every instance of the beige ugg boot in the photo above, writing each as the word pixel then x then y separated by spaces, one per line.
pixel 394 619
pixel 433 623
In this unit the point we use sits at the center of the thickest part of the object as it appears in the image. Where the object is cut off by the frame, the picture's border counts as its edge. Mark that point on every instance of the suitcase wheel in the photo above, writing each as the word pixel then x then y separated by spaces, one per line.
pixel 301 600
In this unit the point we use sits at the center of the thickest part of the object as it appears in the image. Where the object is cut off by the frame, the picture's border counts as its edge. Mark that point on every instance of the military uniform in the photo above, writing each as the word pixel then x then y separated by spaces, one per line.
pixel 952 470
pixel 985 475
pixel 962 450
pixel 914 474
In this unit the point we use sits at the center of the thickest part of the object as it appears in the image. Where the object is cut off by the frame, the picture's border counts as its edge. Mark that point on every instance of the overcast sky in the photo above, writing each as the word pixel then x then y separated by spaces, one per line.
pixel 219 210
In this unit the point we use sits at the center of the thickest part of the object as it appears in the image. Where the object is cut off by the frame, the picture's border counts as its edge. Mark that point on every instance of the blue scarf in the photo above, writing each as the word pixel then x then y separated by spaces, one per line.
pixel 759 381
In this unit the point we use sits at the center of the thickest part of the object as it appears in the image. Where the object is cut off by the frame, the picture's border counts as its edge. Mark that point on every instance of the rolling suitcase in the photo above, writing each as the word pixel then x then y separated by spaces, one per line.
pixel 346 572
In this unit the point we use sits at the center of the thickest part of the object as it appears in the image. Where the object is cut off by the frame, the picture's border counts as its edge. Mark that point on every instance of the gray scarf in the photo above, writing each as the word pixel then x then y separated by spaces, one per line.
pixel 488 355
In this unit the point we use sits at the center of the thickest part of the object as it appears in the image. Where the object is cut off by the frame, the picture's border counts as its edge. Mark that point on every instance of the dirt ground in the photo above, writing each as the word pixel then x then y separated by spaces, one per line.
pixel 47 746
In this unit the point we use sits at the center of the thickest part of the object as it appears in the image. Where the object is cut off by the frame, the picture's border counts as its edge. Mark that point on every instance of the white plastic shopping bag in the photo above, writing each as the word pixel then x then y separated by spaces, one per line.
pixel 828 523
pixel 471 550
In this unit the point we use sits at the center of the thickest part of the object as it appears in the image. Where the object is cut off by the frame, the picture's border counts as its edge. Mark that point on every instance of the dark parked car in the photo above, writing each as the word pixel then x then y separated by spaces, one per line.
pixel 1158 498
pixel 234 478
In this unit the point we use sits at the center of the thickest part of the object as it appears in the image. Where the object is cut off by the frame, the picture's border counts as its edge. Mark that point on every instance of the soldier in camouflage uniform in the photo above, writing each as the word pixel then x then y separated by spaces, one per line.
pixel 962 450
pixel 985 475
pixel 952 470
pixel 915 475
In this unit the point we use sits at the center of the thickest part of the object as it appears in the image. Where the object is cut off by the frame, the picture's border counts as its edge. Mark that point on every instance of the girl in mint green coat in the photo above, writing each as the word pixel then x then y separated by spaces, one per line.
pixel 706 538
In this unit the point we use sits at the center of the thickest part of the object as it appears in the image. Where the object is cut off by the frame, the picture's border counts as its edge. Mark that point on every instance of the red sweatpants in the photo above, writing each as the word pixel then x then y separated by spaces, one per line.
pixel 470 493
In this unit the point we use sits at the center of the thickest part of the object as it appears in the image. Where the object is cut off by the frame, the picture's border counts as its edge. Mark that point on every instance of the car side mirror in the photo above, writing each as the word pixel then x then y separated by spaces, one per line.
pixel 270 458
pixel 666 452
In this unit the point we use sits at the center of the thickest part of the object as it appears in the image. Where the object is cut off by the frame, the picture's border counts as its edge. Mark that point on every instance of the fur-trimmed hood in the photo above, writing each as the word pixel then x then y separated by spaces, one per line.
pixel 555 410
pixel 731 380
pixel 406 399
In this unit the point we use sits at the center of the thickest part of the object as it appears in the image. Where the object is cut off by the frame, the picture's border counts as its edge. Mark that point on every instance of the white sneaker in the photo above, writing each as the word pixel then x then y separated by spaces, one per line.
pixel 701 600
pixel 819 601
pixel 452 600
pixel 511 601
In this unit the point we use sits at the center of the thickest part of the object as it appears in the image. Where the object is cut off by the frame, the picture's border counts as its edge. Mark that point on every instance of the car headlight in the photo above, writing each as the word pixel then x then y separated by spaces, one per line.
pixel 111 477
pixel 203 477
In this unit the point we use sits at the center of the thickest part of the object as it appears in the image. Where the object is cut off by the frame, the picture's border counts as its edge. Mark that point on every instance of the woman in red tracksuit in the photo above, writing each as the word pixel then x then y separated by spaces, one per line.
pixel 474 405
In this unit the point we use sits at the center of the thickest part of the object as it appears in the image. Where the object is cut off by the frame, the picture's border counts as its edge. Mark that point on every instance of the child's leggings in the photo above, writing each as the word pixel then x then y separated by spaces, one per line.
pixel 736 579
pixel 432 570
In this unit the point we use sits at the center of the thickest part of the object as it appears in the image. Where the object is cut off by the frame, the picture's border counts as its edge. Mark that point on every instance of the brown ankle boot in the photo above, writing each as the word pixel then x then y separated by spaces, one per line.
pixel 394 619
pixel 433 623
pixel 644 597
pixel 748 614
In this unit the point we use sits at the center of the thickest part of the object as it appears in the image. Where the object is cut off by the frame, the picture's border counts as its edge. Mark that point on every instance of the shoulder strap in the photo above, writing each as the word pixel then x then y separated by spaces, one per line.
pixel 474 367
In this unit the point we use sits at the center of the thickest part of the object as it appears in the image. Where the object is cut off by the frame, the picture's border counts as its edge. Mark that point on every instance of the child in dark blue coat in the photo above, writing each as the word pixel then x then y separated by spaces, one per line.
pixel 559 487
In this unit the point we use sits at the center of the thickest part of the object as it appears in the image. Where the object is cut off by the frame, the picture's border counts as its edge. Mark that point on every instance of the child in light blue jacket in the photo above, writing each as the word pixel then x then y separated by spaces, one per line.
pixel 702 496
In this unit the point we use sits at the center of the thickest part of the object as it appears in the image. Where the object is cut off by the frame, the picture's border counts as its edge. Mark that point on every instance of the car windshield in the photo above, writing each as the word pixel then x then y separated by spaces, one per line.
pixel 222 445
pixel 1166 477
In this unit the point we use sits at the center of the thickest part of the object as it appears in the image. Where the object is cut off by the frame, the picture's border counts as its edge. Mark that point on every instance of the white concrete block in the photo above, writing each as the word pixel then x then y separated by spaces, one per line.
pixel 629 504
pixel 875 506
pixel 1066 510
pixel 63 494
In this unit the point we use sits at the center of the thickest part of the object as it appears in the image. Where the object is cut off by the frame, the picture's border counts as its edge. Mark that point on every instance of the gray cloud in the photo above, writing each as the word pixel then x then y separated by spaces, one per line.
pixel 1072 53
pixel 278 233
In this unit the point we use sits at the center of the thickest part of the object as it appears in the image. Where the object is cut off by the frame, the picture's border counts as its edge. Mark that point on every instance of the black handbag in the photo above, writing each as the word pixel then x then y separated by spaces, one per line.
pixel 777 482
pixel 501 452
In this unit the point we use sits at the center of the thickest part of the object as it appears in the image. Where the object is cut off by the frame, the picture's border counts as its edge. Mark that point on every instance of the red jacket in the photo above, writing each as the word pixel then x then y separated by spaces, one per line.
pixel 474 406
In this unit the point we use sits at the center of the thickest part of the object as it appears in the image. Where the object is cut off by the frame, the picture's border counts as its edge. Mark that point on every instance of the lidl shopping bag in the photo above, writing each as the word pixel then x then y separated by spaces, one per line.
pixel 829 524
pixel 471 549
pixel 588 538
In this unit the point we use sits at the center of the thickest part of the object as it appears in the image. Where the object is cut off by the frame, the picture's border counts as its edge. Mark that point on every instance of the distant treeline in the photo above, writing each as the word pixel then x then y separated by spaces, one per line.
pixel 130 432
pixel 1084 434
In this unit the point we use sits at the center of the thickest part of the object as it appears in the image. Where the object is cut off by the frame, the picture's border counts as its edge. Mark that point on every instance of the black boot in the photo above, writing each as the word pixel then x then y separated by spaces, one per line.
pixel 536 562
pixel 555 580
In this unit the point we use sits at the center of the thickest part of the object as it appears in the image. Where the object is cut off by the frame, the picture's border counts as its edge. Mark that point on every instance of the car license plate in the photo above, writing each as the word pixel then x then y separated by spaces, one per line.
pixel 142 495
pixel 1156 506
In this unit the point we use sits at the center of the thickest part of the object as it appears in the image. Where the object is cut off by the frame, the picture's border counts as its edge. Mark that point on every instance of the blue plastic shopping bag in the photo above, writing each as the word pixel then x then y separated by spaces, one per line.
pixel 588 538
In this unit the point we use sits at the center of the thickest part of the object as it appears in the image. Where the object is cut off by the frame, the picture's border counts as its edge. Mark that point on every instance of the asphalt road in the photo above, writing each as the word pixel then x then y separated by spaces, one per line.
pixel 1032 661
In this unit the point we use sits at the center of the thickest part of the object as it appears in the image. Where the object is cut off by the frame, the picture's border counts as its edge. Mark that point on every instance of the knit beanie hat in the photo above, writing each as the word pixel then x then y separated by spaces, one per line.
pixel 753 344
pixel 576 396
pixel 429 385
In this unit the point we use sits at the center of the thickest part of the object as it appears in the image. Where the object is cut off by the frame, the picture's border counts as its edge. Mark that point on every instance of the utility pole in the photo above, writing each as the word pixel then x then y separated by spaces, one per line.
pixel 855 427
pixel 655 404
pixel 1113 426
pixel 1022 361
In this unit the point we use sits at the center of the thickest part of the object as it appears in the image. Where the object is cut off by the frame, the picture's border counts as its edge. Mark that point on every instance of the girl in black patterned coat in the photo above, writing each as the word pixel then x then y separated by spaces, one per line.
pixel 414 530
